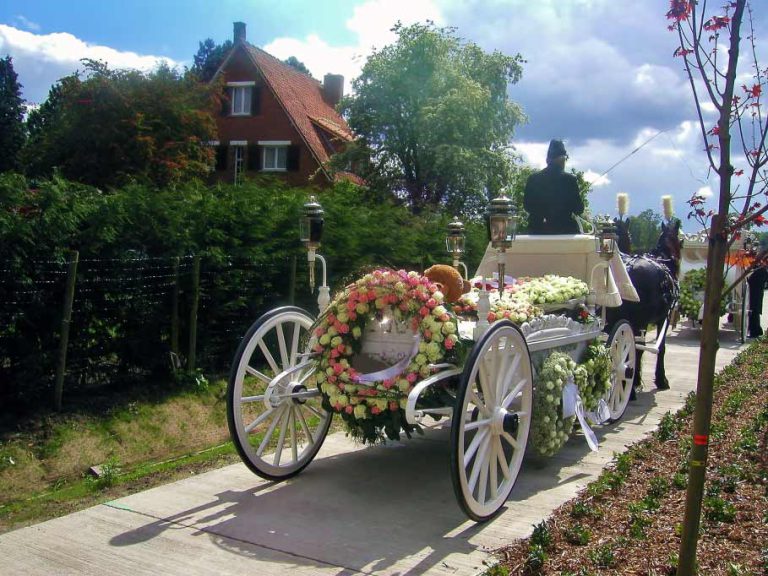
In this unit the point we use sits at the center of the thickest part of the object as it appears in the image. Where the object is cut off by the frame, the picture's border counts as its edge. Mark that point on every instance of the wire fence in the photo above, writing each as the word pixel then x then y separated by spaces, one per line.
pixel 75 324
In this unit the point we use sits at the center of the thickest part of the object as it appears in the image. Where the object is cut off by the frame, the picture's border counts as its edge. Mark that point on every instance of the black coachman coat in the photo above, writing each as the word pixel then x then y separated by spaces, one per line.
pixel 551 197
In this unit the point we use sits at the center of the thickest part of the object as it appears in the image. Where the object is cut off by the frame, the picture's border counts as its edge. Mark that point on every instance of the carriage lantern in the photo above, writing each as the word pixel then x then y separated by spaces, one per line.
pixel 454 240
pixel 310 233
pixel 311 224
pixel 605 240
pixel 502 222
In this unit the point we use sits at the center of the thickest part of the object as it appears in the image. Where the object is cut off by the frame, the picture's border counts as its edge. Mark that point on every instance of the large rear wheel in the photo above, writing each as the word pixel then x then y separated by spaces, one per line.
pixel 274 412
pixel 491 421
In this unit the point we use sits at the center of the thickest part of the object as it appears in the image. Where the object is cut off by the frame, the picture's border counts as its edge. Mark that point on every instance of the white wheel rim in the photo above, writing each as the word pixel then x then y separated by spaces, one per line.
pixel 622 351
pixel 279 434
pixel 500 386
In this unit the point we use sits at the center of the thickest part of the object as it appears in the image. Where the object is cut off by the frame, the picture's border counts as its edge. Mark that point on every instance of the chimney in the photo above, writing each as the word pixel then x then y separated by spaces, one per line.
pixel 239 32
pixel 333 88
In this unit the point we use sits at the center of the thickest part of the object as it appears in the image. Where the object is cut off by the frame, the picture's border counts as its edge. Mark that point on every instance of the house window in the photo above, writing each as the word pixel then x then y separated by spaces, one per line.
pixel 241 96
pixel 239 156
pixel 274 154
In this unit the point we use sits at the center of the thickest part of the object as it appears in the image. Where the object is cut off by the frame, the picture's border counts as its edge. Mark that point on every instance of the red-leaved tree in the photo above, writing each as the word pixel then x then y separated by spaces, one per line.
pixel 710 46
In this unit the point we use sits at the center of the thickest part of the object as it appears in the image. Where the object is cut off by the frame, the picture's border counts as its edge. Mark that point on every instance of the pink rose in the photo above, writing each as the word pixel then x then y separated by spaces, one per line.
pixel 411 377
pixel 387 384
pixel 448 344
pixel 334 353
pixel 444 317
pixel 424 311
pixel 343 328
pixel 431 303
pixel 319 331
pixel 349 409
pixel 375 410
pixel 428 334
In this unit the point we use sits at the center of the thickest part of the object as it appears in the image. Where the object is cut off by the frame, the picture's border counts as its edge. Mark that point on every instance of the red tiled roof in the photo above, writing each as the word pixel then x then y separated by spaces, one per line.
pixel 302 98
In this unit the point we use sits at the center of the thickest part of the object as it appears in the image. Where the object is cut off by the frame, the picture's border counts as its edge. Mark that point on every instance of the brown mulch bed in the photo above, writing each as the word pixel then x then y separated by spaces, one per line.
pixel 629 520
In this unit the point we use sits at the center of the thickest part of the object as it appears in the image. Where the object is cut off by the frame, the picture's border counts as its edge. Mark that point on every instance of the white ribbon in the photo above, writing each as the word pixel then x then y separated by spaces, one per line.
pixel 392 371
pixel 573 406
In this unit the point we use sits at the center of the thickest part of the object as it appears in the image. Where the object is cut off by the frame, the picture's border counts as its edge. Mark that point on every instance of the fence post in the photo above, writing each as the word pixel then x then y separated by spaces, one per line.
pixel 175 308
pixel 292 282
pixel 192 356
pixel 69 297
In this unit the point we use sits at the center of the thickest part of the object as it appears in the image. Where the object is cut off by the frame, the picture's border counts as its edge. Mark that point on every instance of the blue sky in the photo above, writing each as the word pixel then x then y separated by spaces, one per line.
pixel 599 73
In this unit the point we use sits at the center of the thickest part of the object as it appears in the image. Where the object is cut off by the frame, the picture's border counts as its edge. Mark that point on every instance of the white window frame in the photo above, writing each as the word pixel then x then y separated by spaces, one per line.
pixel 275 145
pixel 239 156
pixel 242 88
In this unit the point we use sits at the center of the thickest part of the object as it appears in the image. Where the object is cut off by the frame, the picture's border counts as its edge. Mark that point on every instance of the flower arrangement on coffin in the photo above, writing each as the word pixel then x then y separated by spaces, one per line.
pixel 523 298
pixel 374 409
pixel 549 429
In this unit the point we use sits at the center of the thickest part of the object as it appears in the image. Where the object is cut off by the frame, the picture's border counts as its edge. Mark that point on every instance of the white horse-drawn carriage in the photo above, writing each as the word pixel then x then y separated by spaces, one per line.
pixel 384 355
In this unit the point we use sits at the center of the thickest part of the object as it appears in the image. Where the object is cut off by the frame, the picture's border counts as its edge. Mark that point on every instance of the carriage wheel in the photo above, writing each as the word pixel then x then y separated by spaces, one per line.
pixel 491 421
pixel 275 416
pixel 621 344
pixel 745 306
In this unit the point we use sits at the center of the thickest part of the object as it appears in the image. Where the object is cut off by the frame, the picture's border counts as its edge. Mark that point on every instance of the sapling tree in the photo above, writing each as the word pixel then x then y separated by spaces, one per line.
pixel 710 46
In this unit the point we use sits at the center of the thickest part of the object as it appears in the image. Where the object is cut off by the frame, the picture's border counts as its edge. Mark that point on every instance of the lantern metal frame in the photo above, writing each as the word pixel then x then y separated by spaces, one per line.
pixel 606 239
pixel 311 225
pixel 455 243
pixel 502 229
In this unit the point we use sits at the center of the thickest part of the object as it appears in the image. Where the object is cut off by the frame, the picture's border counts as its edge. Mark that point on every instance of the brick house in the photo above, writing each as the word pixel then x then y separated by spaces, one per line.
pixel 275 119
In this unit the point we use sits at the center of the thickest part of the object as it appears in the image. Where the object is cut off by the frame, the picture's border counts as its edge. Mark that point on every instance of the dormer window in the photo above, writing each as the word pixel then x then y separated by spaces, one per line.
pixel 241 98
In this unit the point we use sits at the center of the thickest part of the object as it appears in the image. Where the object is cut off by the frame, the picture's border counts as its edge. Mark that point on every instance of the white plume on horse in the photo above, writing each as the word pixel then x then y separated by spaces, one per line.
pixel 666 205
pixel 622 202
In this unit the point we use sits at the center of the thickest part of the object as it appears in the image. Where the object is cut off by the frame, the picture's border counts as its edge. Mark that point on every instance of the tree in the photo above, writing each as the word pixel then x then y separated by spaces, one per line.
pixel 433 119
pixel 716 80
pixel 116 126
pixel 208 58
pixel 294 62
pixel 11 116
pixel 645 229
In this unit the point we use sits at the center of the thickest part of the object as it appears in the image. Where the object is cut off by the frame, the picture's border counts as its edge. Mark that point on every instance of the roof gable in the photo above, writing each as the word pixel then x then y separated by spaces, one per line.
pixel 301 96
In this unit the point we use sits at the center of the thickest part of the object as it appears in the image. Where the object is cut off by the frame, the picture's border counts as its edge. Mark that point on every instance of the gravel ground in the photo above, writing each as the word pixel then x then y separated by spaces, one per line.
pixel 629 520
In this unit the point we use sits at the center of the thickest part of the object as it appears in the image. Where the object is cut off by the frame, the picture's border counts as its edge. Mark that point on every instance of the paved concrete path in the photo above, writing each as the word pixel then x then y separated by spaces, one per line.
pixel 383 510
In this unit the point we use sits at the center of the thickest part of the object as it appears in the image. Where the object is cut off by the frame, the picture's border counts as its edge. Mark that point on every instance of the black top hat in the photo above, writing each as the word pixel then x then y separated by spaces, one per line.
pixel 556 150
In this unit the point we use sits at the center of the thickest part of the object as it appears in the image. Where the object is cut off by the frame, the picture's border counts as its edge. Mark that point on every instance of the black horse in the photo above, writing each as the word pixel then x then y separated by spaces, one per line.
pixel 654 276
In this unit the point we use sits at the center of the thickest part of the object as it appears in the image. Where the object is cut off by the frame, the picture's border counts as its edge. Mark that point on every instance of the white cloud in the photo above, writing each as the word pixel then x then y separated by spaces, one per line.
pixel 42 59
pixel 705 191
pixel 23 22
pixel 596 179
pixel 371 22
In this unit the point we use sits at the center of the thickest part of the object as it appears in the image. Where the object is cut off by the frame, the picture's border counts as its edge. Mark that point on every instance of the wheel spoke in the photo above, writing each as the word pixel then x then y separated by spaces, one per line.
pixel 258 421
pixel 503 464
pixel 484 473
pixel 268 357
pixel 493 480
pixel 251 399
pixel 278 414
pixel 476 424
pixel 295 343
pixel 477 465
pixel 303 423
pixel 473 446
pixel 253 372
pixel 510 440
pixel 284 359
pixel 479 403
pixel 292 424
pixel 281 439
pixel 484 380
pixel 314 411
pixel 516 391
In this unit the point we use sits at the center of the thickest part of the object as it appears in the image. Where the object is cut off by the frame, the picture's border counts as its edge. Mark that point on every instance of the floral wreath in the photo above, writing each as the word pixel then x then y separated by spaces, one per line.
pixel 371 407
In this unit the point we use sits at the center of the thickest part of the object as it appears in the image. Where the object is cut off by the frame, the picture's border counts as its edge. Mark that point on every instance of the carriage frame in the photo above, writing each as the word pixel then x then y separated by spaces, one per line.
pixel 279 427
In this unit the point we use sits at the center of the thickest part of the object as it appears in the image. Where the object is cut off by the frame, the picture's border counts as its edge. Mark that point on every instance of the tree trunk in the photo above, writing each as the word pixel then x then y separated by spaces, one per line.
pixel 718 248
